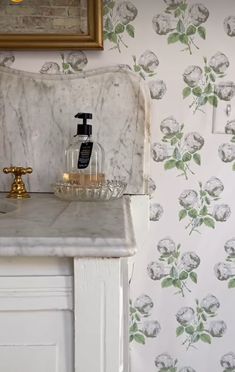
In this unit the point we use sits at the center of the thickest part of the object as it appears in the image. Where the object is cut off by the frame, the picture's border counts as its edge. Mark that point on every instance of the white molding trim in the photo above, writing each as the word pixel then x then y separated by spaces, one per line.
pixel 98 315
pixel 36 293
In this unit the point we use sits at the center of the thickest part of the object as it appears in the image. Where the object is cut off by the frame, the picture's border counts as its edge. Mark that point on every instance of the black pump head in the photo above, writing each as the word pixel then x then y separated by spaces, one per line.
pixel 84 129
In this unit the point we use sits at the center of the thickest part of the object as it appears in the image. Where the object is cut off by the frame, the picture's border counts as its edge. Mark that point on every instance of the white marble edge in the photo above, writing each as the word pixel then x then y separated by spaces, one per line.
pixel 82 74
pixel 22 247
pixel 61 246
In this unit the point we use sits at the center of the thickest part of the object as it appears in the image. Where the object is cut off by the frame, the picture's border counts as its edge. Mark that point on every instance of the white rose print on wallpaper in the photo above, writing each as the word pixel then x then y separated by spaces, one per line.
pixel 227 150
pixel 156 209
pixel 227 362
pixel 72 62
pixel 203 85
pixel 146 67
pixel 225 271
pixel 182 23
pixel 141 327
pixel 174 268
pixel 229 25
pixel 156 212
pixel 177 150
pixel 165 363
pixel 151 187
pixel 200 207
pixel 6 59
pixel 195 324
pixel 118 18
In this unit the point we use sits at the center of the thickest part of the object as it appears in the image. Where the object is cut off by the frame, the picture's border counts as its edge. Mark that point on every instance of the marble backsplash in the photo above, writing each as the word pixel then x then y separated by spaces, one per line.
pixel 37 123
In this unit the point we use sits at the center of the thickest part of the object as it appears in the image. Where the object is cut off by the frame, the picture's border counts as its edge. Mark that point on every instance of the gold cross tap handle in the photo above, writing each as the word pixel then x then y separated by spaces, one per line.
pixel 18 190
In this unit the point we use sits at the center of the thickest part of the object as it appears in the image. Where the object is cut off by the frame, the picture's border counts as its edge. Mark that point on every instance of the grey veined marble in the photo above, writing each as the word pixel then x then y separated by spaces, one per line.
pixel 46 226
pixel 37 122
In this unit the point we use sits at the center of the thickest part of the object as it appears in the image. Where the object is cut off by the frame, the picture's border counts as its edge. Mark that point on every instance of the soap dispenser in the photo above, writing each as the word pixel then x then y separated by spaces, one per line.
pixel 84 158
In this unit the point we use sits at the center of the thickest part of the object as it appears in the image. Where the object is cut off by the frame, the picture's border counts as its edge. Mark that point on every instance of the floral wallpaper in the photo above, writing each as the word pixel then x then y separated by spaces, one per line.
pixel 183 281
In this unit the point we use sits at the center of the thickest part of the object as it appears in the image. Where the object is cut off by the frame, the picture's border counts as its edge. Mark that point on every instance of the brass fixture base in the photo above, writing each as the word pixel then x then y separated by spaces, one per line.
pixel 18 190
pixel 15 195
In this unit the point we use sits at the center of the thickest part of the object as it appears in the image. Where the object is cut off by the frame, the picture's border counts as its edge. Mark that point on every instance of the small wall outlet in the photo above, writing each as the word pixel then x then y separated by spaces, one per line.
pixel 223 120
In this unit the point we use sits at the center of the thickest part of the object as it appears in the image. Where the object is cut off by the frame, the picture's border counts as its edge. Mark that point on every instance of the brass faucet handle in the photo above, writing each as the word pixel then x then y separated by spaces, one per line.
pixel 18 190
pixel 18 171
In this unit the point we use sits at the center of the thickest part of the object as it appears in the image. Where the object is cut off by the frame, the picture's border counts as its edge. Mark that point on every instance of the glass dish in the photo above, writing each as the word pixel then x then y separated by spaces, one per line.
pixel 108 190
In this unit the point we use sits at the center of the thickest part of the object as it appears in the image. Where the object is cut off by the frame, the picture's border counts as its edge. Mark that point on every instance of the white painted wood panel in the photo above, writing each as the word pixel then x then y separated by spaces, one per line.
pixel 21 358
pixel 43 266
pixel 36 341
pixel 124 365
pixel 36 323
pixel 97 311
pixel 36 293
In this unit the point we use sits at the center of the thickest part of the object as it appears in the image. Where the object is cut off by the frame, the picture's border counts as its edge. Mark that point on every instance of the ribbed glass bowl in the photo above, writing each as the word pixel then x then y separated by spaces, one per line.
pixel 108 190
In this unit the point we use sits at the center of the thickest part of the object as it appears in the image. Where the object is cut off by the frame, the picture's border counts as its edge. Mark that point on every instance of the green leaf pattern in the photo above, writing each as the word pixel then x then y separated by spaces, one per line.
pixel 201 208
pixel 146 66
pixel 141 327
pixel 174 269
pixel 182 23
pixel 226 150
pixel 70 63
pixel 203 84
pixel 118 18
pixel 225 270
pixel 165 363
pixel 195 324
pixel 176 150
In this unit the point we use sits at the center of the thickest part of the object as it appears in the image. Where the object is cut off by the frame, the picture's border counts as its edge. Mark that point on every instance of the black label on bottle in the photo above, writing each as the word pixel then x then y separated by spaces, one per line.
pixel 85 155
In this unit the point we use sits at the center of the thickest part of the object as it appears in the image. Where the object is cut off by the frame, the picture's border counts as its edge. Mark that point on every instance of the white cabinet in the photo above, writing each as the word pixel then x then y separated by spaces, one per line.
pixel 41 340
pixel 64 300
pixel 36 315
pixel 47 324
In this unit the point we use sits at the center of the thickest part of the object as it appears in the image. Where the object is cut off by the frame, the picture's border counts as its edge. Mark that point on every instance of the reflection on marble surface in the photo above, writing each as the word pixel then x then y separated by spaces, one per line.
pixel 6 207
pixel 47 226
pixel 37 121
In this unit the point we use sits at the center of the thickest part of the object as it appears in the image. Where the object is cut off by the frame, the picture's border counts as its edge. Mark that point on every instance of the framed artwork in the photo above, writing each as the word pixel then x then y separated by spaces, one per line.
pixel 51 24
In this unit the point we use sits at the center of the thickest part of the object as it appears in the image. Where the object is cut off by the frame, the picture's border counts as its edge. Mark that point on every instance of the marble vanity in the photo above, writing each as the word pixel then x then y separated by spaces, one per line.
pixel 46 226
pixel 96 237
pixel 64 265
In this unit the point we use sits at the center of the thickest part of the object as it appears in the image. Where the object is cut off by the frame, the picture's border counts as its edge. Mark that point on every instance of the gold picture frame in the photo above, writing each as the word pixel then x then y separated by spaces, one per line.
pixel 92 40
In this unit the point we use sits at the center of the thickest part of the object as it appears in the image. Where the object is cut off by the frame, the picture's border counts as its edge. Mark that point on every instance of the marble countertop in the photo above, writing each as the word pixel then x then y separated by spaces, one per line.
pixel 46 226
